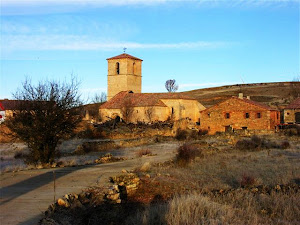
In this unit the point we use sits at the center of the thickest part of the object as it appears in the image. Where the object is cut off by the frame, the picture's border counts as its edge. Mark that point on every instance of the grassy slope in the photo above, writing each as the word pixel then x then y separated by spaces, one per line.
pixel 273 94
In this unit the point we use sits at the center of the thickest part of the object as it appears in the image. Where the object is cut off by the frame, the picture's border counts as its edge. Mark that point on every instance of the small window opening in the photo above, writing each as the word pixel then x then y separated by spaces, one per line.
pixel 244 128
pixel 118 68
pixel 247 115
pixel 133 68
pixel 14 114
pixel 208 128
pixel 172 110
pixel 208 114
pixel 227 115
pixel 288 113
pixel 258 115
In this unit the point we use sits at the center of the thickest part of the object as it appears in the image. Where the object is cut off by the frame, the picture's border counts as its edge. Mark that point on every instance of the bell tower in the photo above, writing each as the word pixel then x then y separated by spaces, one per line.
pixel 124 74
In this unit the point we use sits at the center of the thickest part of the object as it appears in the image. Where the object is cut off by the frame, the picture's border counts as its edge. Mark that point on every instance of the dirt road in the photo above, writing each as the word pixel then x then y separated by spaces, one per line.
pixel 25 195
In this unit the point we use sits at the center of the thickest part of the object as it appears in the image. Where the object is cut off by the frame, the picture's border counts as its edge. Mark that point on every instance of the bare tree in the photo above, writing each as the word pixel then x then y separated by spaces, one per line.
pixel 149 113
pixel 171 85
pixel 45 114
pixel 99 98
pixel 127 110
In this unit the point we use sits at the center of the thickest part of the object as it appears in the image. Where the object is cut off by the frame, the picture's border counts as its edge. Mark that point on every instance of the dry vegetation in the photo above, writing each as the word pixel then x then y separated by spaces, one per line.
pixel 211 181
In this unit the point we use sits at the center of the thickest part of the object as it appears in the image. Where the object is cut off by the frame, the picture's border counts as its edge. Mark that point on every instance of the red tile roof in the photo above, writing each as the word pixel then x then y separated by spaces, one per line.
pixel 10 104
pixel 254 103
pixel 124 56
pixel 141 99
pixel 244 100
pixel 1 107
pixel 294 105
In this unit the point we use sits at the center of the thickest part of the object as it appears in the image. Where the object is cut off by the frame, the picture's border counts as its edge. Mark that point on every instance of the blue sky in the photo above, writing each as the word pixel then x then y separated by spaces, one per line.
pixel 199 43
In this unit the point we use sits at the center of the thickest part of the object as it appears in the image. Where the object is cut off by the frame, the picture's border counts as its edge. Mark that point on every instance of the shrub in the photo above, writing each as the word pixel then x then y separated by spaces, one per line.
pixel 181 135
pixel 142 152
pixel 245 145
pixel 255 143
pixel 185 154
pixel 285 144
pixel 20 155
pixel 247 181
pixel 202 132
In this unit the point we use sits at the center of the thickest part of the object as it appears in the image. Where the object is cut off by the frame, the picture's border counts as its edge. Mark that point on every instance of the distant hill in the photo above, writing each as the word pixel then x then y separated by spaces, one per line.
pixel 276 95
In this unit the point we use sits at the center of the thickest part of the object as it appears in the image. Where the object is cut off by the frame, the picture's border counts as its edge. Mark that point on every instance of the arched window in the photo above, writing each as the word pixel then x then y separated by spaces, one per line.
pixel 117 68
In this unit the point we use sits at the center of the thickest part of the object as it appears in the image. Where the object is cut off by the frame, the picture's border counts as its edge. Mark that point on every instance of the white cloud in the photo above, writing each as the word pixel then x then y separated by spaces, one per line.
pixel 73 42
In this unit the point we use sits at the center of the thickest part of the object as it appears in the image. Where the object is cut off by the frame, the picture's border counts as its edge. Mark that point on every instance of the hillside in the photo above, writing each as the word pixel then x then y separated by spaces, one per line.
pixel 277 94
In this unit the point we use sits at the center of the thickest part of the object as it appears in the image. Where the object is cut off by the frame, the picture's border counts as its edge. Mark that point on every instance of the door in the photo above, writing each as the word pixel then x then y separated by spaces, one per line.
pixel 297 117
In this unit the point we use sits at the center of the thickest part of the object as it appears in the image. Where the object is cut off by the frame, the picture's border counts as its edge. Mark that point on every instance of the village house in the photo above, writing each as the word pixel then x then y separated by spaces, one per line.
pixel 239 113
pixel 292 112
pixel 124 87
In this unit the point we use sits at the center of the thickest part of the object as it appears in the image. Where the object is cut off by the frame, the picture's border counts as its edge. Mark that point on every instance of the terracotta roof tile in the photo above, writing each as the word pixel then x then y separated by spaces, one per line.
pixel 244 100
pixel 254 103
pixel 294 105
pixel 124 56
pixel 10 104
pixel 1 107
pixel 141 99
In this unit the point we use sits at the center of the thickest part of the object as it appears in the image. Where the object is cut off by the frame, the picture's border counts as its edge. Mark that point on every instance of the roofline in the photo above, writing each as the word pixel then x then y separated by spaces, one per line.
pixel 234 97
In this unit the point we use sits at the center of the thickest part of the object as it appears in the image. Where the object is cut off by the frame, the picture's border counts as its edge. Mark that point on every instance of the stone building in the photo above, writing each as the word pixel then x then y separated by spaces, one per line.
pixel 125 99
pixel 8 107
pixel 292 112
pixel 149 107
pixel 239 113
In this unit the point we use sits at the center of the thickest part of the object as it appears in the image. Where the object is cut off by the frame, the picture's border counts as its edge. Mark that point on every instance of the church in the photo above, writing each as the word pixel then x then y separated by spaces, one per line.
pixel 126 100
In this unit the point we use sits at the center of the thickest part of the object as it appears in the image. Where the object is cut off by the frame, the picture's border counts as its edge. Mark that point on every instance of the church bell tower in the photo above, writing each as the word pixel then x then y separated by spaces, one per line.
pixel 124 74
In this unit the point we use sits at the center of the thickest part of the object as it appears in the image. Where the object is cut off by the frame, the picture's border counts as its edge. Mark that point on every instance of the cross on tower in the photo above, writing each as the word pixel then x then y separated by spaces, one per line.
pixel 124 49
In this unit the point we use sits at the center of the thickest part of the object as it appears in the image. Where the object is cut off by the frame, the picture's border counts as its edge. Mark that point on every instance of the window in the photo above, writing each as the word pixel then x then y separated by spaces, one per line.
pixel 133 68
pixel 258 115
pixel 208 128
pixel 227 115
pixel 172 110
pixel 208 114
pixel 247 115
pixel 117 68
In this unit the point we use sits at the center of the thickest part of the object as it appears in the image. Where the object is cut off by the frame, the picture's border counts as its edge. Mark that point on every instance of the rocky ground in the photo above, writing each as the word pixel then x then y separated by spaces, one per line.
pixel 25 195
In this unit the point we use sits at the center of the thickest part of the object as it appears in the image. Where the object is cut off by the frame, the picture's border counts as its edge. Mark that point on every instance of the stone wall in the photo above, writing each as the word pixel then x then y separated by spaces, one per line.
pixel 176 109
pixel 128 79
pixel 290 115
pixel 231 114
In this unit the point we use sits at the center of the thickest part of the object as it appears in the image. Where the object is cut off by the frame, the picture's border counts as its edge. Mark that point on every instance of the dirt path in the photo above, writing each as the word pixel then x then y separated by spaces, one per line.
pixel 25 195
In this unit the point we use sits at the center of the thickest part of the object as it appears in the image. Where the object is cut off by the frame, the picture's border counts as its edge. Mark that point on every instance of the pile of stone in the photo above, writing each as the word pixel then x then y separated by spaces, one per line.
pixel 109 158
pixel 124 185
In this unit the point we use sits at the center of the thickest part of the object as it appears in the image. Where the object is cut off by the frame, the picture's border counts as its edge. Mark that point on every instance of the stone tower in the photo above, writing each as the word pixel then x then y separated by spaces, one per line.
pixel 124 74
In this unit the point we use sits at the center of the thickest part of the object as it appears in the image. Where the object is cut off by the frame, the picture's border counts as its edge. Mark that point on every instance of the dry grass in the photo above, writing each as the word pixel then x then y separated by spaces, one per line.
pixel 223 186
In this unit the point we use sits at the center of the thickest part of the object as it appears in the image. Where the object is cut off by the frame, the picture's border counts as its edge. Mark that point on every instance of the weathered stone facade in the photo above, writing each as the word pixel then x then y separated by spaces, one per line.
pixel 239 113
pixel 149 107
pixel 124 74
pixel 292 112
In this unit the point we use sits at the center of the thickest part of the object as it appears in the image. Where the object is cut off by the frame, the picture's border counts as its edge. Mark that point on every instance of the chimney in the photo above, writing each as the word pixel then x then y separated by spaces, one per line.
pixel 248 97
pixel 241 96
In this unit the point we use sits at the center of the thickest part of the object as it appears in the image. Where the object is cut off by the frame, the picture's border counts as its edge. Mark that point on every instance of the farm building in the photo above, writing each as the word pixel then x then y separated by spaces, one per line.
pixel 292 112
pixel 239 113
